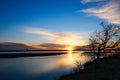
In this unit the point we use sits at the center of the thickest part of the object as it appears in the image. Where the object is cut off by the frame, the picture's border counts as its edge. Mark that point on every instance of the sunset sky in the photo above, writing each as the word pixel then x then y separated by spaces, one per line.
pixel 54 21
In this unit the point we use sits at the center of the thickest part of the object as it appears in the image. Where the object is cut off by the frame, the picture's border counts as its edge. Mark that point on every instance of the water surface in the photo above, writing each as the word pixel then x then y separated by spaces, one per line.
pixel 40 68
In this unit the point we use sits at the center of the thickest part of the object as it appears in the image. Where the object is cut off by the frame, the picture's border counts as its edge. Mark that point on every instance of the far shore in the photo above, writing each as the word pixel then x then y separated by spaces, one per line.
pixel 20 53
pixel 29 55
pixel 49 50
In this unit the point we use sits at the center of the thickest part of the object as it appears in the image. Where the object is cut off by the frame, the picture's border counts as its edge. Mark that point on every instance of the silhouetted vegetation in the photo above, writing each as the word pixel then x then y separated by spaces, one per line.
pixel 79 67
pixel 107 38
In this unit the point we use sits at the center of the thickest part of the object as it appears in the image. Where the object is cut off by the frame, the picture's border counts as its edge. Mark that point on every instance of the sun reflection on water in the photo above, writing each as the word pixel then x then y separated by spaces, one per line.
pixel 70 48
pixel 70 55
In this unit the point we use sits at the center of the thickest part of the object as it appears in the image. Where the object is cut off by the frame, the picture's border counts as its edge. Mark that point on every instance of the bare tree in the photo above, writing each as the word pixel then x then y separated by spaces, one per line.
pixel 109 37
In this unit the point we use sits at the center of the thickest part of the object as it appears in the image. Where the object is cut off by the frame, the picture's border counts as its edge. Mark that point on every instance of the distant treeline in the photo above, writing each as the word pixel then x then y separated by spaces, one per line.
pixel 27 50
pixel 53 50
pixel 28 55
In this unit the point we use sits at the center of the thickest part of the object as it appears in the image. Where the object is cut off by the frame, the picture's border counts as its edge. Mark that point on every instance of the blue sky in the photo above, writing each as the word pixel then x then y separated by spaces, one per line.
pixel 31 21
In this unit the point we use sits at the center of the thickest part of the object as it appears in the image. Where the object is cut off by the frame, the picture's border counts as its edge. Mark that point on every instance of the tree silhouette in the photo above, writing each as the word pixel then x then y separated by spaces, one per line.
pixel 108 37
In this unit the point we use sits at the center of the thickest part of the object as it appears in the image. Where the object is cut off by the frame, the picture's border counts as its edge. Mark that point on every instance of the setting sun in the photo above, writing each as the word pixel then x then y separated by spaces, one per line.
pixel 70 48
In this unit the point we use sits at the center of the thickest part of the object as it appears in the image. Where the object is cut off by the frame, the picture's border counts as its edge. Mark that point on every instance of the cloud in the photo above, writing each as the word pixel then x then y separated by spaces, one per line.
pixel 16 46
pixel 64 38
pixel 109 11
pixel 88 1
pixel 41 32
pixel 51 46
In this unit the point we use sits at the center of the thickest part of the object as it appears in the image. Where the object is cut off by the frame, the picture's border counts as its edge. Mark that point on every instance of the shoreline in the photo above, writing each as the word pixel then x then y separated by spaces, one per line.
pixel 107 68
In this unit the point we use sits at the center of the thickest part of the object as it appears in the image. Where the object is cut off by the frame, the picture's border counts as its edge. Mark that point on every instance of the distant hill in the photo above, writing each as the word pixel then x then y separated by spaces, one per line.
pixel 15 46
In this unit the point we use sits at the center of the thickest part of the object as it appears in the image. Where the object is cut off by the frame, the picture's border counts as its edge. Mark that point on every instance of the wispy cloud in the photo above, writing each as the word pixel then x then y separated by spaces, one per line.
pixel 109 11
pixel 88 1
pixel 65 38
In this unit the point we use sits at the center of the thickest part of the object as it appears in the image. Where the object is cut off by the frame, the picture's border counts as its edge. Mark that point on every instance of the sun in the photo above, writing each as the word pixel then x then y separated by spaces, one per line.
pixel 70 48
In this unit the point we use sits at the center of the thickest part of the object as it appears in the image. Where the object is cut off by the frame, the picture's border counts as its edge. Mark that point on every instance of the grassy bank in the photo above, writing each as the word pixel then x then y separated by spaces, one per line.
pixel 104 69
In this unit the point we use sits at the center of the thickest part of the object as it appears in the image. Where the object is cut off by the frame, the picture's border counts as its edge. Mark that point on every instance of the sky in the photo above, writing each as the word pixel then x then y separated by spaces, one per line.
pixel 68 22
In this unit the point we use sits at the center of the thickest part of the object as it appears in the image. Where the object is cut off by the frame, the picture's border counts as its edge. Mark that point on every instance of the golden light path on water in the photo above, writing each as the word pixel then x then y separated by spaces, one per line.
pixel 70 49
pixel 70 55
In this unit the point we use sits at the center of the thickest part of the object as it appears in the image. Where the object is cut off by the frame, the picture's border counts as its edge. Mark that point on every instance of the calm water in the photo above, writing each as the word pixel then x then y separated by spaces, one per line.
pixel 40 68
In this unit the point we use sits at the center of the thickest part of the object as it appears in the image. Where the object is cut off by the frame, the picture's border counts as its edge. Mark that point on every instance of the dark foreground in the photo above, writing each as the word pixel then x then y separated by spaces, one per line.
pixel 104 69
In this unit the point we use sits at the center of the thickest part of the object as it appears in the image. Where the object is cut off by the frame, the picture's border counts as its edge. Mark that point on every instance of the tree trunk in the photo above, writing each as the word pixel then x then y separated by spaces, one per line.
pixel 98 54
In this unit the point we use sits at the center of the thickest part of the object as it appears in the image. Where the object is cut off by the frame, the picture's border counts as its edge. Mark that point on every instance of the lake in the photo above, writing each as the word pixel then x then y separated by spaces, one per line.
pixel 41 67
